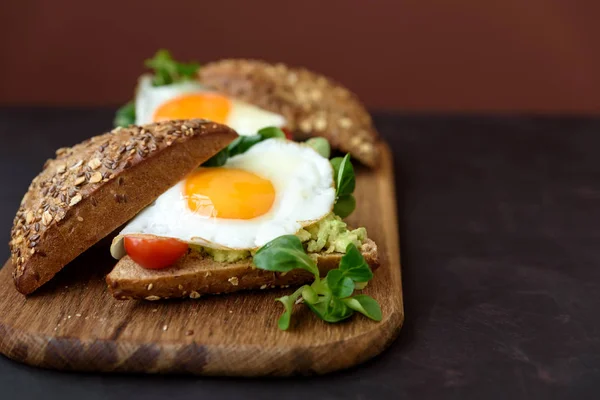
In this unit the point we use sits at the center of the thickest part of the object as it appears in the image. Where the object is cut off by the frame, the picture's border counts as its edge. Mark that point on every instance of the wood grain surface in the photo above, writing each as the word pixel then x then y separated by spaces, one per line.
pixel 73 323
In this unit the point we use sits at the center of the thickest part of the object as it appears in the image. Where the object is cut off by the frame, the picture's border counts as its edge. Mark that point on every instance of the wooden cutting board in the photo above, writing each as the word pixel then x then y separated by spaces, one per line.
pixel 73 323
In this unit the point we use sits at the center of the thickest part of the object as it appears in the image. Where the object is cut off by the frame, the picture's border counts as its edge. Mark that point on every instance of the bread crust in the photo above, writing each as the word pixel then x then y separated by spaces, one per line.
pixel 194 275
pixel 312 104
pixel 92 188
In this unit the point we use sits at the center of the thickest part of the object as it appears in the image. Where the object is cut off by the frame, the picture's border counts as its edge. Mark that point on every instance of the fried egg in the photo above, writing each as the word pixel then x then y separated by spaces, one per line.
pixel 189 99
pixel 274 189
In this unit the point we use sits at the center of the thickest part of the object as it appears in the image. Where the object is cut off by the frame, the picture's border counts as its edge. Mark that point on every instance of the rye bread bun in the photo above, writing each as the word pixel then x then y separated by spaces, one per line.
pixel 92 188
pixel 196 274
pixel 312 104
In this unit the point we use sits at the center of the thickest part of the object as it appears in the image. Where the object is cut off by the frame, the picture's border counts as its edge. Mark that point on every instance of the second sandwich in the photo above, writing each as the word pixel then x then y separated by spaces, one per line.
pixel 202 234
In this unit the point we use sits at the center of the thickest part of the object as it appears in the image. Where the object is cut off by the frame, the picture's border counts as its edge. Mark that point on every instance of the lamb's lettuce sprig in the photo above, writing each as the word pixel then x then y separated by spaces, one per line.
pixel 165 71
pixel 331 298
pixel 345 183
pixel 242 144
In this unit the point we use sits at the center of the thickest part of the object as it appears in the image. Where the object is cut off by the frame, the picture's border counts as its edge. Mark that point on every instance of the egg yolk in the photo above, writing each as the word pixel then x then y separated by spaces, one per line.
pixel 212 106
pixel 228 193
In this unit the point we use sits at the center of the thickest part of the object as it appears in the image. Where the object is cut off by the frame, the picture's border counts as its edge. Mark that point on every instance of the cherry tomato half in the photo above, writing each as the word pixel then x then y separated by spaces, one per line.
pixel 154 253
pixel 288 133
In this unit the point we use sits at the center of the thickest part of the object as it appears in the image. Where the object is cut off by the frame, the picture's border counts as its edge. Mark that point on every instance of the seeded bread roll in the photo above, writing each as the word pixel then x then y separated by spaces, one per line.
pixel 94 187
pixel 196 274
pixel 312 104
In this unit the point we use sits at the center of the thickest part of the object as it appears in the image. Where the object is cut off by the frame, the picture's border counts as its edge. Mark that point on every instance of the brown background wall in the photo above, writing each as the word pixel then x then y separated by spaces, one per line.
pixel 535 55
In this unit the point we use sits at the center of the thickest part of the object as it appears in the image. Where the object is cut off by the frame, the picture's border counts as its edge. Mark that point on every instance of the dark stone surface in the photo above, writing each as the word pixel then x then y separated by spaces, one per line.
pixel 500 230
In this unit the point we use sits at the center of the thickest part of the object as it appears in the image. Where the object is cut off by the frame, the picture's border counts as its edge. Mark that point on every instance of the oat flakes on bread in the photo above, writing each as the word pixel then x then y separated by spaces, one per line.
pixel 90 189
pixel 196 274
pixel 312 104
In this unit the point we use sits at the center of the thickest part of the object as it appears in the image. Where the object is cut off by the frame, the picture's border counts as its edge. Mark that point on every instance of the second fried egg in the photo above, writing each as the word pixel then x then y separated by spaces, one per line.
pixel 189 99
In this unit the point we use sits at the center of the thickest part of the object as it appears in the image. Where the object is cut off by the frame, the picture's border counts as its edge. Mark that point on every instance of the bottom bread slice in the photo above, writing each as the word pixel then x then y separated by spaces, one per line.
pixel 195 274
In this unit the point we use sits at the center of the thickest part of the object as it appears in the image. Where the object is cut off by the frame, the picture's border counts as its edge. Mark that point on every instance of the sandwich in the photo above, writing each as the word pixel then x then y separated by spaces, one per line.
pixel 208 206
pixel 248 95
pixel 214 221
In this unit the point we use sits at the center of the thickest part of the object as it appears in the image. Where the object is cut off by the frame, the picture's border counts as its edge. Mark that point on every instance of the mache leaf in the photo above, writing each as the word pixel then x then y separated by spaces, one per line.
pixel 284 321
pixel 354 266
pixel 284 254
pixel 320 145
pixel 125 115
pixel 341 286
pixel 218 159
pixel 331 310
pixel 344 206
pixel 345 181
pixel 271 132
pixel 309 294
pixel 288 303
pixel 365 305
pixel 166 70
pixel 242 143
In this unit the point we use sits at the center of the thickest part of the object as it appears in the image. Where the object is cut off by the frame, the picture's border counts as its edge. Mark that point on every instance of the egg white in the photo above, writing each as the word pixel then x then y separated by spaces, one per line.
pixel 244 118
pixel 304 194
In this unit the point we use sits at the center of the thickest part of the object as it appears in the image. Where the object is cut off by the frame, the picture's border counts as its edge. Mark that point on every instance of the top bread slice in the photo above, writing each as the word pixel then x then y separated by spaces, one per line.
pixel 196 274
pixel 312 104
pixel 91 189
